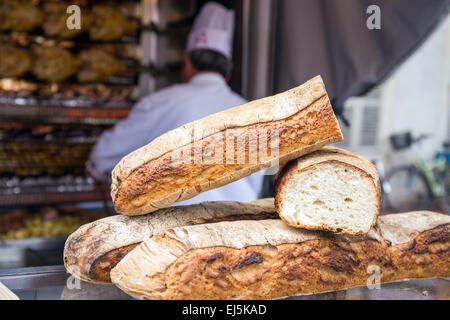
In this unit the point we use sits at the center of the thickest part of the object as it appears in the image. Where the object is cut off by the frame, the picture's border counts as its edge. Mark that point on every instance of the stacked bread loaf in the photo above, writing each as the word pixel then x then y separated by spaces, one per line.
pixel 329 236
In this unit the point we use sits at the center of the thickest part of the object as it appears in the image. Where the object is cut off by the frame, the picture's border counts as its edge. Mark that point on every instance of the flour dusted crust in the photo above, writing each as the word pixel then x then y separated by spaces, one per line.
pixel 326 155
pixel 267 109
pixel 403 227
pixel 95 248
pixel 154 177
pixel 135 272
pixel 268 259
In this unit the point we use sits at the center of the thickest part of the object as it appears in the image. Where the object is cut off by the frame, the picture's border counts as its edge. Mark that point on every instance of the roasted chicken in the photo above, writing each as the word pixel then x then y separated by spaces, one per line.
pixel 14 62
pixel 98 66
pixel 56 18
pixel 109 24
pixel 53 64
pixel 19 15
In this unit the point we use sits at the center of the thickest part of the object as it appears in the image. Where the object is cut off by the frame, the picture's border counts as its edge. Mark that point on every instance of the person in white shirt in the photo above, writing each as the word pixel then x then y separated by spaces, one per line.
pixel 204 91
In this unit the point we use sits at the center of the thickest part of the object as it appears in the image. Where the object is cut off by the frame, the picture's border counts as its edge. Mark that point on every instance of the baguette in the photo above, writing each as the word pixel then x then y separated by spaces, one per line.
pixel 95 248
pixel 224 147
pixel 6 294
pixel 329 189
pixel 268 259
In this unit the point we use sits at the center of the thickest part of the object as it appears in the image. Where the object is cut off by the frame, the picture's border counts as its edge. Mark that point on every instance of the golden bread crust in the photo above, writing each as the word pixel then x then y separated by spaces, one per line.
pixel 95 248
pixel 171 178
pixel 180 265
pixel 267 109
pixel 196 157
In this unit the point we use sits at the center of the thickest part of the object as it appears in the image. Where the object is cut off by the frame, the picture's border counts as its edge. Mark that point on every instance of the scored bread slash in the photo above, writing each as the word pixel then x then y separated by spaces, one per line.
pixel 268 259
pixel 224 147
pixel 329 189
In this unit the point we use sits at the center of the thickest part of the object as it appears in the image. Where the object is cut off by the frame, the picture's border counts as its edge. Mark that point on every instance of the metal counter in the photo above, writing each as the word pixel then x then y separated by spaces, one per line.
pixel 53 282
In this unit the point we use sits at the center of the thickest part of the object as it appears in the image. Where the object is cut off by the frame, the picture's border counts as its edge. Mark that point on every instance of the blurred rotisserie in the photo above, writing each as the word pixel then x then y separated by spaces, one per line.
pixel 19 15
pixel 53 64
pixel 98 65
pixel 109 24
pixel 14 61
pixel 55 21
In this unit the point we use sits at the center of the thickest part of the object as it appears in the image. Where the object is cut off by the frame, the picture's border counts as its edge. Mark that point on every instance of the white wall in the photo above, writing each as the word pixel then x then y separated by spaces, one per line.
pixel 417 98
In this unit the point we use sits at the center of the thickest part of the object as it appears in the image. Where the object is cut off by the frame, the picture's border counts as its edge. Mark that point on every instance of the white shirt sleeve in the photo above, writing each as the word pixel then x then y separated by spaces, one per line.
pixel 126 136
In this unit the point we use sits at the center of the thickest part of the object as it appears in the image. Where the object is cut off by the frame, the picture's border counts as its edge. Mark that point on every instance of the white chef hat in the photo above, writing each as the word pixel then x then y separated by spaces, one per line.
pixel 213 29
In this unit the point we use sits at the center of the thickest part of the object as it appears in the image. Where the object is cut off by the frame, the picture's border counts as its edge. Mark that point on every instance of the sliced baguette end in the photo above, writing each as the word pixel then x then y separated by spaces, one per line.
pixel 330 194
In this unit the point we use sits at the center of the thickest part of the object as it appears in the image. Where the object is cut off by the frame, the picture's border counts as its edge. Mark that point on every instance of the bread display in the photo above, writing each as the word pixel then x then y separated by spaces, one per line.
pixel 224 147
pixel 268 259
pixel 95 248
pixel 329 189
pixel 329 236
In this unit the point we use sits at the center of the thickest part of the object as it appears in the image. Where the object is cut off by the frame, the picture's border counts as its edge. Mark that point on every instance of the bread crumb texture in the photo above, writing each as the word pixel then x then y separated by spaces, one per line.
pixel 331 196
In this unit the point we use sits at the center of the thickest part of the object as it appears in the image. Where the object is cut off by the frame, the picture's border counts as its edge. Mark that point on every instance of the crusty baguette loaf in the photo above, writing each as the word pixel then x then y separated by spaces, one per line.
pixel 329 189
pixel 224 147
pixel 95 248
pixel 6 294
pixel 268 259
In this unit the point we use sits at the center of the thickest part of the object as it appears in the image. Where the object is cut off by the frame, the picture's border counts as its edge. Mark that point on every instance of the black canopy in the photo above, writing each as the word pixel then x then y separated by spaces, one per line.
pixel 330 38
